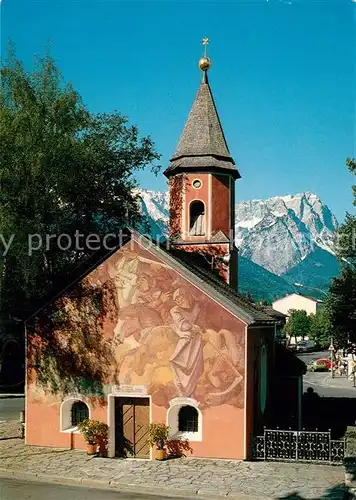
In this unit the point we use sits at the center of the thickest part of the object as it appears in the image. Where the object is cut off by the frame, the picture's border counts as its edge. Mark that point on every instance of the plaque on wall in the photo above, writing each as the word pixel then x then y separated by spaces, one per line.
pixel 126 389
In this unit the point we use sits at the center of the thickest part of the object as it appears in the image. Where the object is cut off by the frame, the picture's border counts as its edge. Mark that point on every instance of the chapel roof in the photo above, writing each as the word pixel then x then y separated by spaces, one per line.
pixel 274 313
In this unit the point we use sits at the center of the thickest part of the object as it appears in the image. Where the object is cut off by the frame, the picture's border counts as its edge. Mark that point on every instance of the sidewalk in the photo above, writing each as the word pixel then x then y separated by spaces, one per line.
pixel 180 477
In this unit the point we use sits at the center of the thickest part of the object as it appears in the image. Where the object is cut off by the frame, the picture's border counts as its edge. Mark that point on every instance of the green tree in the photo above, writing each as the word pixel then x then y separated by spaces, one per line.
pixel 298 325
pixel 342 309
pixel 341 304
pixel 63 170
pixel 347 231
pixel 320 328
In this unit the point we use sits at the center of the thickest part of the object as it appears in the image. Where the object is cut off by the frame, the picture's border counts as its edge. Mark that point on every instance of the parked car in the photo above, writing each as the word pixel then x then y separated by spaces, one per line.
pixel 305 345
pixel 319 365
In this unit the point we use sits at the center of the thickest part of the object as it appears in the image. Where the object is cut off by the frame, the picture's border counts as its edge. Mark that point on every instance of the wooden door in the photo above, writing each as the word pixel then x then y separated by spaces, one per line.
pixel 132 418
pixel 142 421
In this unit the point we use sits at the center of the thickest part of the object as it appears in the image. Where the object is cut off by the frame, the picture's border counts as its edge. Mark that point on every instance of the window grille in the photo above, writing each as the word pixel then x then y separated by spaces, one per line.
pixel 80 412
pixel 188 419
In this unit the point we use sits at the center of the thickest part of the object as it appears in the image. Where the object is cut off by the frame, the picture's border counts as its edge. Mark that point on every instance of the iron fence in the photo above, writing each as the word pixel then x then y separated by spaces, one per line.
pixel 303 446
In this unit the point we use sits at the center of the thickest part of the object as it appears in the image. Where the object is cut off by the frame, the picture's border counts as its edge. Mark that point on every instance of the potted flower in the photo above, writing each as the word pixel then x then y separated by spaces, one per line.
pixel 94 432
pixel 102 438
pixel 158 435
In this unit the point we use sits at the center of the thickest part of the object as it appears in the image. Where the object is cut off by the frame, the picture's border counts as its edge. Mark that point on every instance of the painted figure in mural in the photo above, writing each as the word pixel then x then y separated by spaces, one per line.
pixel 143 311
pixel 187 360
pixel 169 340
pixel 223 364
pixel 210 358
pixel 139 299
pixel 142 343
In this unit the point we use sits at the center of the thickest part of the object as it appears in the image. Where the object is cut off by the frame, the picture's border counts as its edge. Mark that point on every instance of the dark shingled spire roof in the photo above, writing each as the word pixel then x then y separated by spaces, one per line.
pixel 202 144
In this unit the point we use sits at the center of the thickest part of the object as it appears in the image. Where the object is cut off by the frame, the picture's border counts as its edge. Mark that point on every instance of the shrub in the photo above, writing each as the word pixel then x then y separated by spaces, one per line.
pixel 158 435
pixel 93 431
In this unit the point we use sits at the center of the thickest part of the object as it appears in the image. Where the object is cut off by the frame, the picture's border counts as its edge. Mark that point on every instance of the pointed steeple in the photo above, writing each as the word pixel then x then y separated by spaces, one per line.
pixel 202 144
pixel 203 134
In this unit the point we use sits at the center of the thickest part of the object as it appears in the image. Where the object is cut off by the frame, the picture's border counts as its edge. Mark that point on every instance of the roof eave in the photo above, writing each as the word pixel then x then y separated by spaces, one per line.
pixel 174 170
pixel 203 155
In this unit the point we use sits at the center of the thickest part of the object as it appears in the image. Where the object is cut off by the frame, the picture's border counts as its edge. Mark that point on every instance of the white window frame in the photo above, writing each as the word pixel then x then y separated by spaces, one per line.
pixel 65 418
pixel 172 420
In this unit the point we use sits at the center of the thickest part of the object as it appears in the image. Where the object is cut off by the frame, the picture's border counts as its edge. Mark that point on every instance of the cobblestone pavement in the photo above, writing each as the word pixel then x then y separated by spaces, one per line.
pixel 187 476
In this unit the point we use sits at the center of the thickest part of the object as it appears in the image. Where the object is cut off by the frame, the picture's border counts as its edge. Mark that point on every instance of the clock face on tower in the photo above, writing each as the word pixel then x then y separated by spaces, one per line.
pixel 197 184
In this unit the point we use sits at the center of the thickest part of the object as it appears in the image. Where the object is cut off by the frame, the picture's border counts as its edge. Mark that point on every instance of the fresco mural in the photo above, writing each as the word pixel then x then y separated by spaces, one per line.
pixel 171 337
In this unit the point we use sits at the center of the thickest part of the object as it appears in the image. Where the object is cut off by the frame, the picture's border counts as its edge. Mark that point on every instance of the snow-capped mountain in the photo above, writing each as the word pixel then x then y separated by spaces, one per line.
pixel 289 236
pixel 155 206
pixel 280 232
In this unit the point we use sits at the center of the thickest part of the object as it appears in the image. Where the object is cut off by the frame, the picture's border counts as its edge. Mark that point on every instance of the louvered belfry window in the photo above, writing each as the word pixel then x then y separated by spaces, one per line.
pixel 80 412
pixel 188 419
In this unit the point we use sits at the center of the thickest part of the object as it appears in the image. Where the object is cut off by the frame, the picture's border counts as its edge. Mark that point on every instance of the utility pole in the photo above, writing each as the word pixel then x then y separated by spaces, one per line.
pixel 332 357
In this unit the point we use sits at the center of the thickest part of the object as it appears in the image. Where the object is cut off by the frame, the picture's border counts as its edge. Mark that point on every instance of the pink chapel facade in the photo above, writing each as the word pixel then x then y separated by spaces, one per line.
pixel 171 342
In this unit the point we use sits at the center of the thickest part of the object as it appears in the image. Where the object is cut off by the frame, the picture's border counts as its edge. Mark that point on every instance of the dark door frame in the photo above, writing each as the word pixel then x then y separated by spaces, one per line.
pixel 112 418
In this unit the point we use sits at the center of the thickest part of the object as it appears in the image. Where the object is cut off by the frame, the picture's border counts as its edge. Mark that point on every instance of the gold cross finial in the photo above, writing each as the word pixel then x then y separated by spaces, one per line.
pixel 206 42
pixel 204 62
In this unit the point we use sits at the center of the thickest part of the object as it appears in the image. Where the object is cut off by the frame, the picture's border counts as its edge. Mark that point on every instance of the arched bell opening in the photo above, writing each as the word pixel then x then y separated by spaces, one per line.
pixel 197 218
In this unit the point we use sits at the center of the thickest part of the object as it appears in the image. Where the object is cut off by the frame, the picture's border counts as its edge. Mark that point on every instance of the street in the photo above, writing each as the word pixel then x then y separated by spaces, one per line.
pixel 10 409
pixel 320 381
pixel 14 489
pixel 308 356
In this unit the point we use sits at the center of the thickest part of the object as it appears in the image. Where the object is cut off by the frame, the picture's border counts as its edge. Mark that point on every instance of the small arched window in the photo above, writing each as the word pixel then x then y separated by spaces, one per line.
pixel 197 218
pixel 188 419
pixel 79 412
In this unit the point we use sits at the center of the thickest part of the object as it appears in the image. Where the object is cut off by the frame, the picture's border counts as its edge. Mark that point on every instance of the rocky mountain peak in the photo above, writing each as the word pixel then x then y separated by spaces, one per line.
pixel 278 234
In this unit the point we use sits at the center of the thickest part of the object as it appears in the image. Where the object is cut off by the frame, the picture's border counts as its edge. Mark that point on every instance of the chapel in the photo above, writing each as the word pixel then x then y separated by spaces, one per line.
pixel 173 341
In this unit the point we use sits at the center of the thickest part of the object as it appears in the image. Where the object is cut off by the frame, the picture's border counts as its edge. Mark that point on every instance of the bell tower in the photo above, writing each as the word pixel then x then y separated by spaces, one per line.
pixel 202 175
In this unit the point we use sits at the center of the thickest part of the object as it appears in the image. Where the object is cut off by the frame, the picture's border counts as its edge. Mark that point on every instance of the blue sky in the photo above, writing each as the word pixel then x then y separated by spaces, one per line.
pixel 283 78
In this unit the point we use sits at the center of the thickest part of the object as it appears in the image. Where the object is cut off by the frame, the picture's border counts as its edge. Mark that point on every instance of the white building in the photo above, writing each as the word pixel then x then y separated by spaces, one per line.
pixel 297 302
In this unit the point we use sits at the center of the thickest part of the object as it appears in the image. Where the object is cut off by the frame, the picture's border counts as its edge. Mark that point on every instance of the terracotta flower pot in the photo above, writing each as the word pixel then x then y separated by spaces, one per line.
pixel 160 454
pixel 91 449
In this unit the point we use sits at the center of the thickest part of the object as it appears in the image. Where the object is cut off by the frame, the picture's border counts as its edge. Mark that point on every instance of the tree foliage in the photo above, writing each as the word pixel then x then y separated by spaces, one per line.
pixel 63 170
pixel 320 328
pixel 342 300
pixel 342 309
pixel 298 325
pixel 347 232
pixel 67 350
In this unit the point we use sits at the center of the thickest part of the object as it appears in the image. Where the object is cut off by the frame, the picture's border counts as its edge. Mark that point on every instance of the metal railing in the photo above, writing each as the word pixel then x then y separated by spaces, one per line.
pixel 303 446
